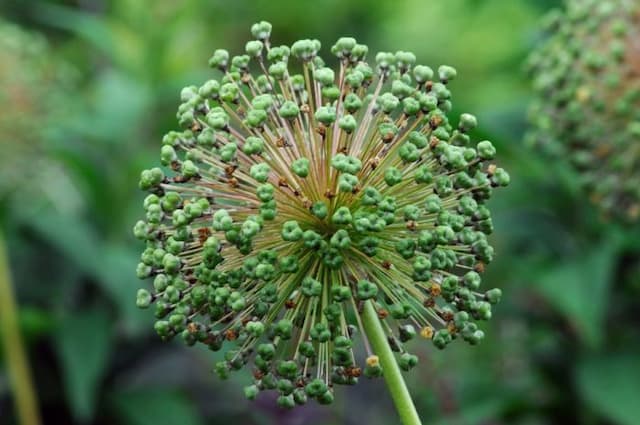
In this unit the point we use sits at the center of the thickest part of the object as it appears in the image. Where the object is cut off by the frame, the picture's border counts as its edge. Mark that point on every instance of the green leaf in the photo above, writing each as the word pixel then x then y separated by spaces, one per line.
pixel 477 411
pixel 83 346
pixel 83 24
pixel 579 290
pixel 112 266
pixel 116 97
pixel 153 407
pixel 115 276
pixel 610 385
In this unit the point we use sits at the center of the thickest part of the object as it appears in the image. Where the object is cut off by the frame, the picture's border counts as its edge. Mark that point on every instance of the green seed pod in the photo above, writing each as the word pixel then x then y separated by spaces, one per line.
pixel 346 164
pixel 265 192
pixel 341 216
pixel 348 123
pixel 410 106
pixel 408 361
pixel 280 53
pixel 278 70
pixel 305 49
pixel 404 60
pixel 301 167
pixel 143 299
pixel 251 392
pixel 320 210
pixel 467 122
pixel 347 182
pixel 253 146
pixel 291 231
pixel 254 48
pixel 261 30
pixel 366 290
pixel 315 388
pixel 354 78
pixel 326 114
pixel 217 119
pixel 262 101
pixel 311 287
pixel 220 59
pixel 392 176
pixel 260 172
pixel 493 295
pixel 388 102
pixel 352 103
pixel 343 47
pixel 385 60
pixel 409 153
pixel 241 63
pixel 359 52
pixel 402 90
pixel 340 239
pixel 325 76
pixel 289 110
pixel 446 73
pixel 229 92
pixel 255 118
pixel 422 73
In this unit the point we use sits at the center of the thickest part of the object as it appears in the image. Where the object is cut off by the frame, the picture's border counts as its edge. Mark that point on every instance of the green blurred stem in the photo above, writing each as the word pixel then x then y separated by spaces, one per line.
pixel 390 369
pixel 16 360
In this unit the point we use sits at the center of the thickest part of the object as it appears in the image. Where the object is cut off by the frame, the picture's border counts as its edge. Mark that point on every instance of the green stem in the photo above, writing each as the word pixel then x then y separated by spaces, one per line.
pixel 25 399
pixel 390 369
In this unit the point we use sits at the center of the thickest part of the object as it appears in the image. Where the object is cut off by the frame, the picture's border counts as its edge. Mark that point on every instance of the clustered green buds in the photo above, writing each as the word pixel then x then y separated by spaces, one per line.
pixel 295 195
pixel 587 75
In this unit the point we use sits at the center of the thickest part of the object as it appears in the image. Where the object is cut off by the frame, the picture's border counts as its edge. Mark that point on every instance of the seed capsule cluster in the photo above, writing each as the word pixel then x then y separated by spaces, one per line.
pixel 294 193
pixel 587 75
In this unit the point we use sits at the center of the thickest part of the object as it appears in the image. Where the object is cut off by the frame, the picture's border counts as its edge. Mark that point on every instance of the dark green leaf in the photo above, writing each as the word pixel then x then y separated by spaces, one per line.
pixel 579 290
pixel 112 266
pixel 154 407
pixel 83 345
pixel 476 412
pixel 611 386
pixel 85 25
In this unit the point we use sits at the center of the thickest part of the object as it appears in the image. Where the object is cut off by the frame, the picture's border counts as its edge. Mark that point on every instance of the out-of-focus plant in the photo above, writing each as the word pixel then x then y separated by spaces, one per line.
pixel 587 78
pixel 314 206
pixel 32 90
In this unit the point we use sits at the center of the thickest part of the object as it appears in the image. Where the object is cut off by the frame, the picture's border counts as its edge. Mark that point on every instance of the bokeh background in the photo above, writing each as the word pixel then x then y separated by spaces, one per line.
pixel 88 87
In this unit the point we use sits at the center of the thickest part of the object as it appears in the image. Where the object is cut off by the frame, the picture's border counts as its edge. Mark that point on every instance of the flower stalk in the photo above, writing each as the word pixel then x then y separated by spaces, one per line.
pixel 390 370
pixel 16 358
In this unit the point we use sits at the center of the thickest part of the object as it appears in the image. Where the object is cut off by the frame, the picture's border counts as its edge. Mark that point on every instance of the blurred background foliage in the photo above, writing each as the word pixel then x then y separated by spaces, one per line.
pixel 88 87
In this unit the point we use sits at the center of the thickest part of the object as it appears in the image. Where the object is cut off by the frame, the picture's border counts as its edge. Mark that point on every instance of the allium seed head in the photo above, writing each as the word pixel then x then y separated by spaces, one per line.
pixel 587 75
pixel 295 193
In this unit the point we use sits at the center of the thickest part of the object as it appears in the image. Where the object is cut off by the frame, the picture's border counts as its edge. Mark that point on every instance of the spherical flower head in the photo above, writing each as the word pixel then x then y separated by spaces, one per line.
pixel 295 195
pixel 587 76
